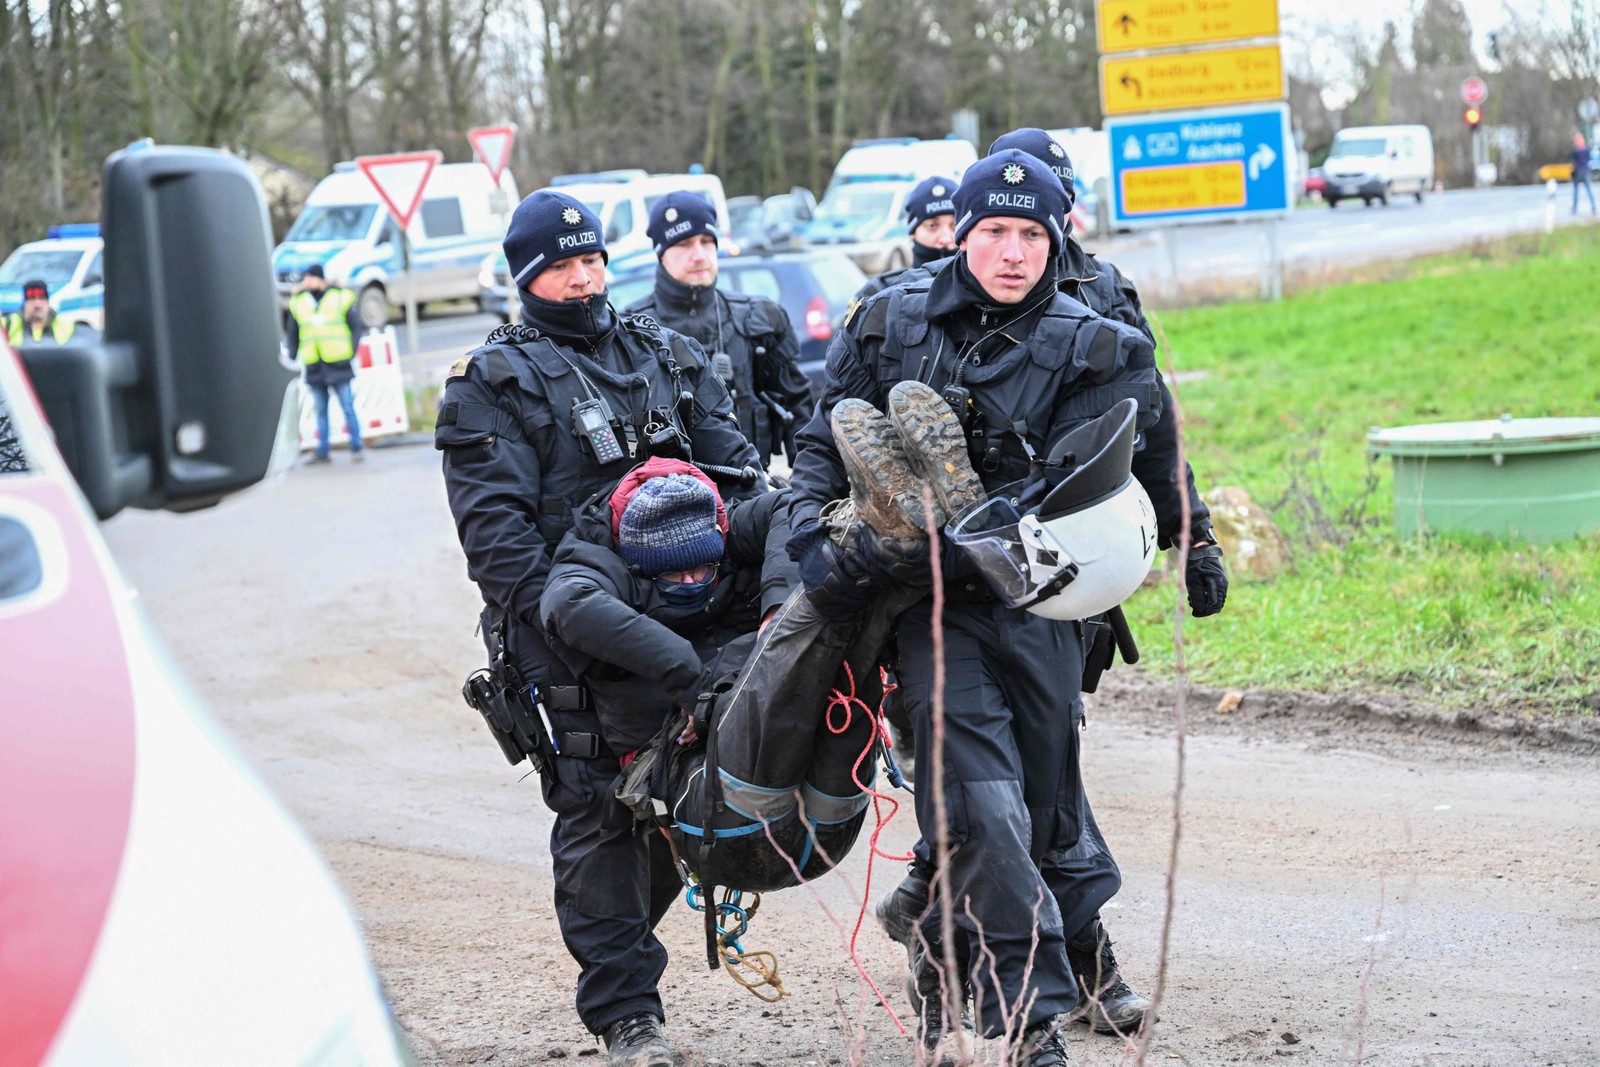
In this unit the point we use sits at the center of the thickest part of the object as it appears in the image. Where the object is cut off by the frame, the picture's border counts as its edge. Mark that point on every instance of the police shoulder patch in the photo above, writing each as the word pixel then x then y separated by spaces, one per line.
pixel 458 369
pixel 850 312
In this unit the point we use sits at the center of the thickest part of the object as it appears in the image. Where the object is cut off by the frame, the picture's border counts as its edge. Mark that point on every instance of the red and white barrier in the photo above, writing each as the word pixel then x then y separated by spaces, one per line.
pixel 379 389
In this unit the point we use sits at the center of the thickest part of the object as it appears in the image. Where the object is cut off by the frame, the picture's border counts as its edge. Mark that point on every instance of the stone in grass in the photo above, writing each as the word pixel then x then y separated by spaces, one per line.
pixel 1252 544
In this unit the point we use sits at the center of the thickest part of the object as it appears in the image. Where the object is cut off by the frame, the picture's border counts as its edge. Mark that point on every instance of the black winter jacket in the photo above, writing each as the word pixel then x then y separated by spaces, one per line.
pixel 639 656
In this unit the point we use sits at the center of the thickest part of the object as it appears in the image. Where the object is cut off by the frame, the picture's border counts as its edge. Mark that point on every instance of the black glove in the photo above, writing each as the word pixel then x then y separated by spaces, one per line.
pixel 904 561
pixel 1207 581
pixel 838 582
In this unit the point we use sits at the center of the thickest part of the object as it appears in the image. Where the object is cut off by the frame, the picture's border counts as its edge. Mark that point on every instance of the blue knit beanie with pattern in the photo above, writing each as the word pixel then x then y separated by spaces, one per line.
pixel 670 525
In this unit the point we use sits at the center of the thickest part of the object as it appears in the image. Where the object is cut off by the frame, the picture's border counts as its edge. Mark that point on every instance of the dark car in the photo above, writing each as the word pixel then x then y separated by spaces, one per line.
pixel 815 288
pixel 762 227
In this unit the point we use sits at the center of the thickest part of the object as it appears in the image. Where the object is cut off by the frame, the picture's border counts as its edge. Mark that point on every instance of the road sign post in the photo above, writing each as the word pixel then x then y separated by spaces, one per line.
pixel 400 180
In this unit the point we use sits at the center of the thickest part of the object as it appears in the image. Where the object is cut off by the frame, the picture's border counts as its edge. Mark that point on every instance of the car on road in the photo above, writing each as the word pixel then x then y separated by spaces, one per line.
pixel 770 225
pixel 1316 183
pixel 1375 163
pixel 866 221
pixel 1562 172
pixel 157 904
pixel 813 287
pixel 70 261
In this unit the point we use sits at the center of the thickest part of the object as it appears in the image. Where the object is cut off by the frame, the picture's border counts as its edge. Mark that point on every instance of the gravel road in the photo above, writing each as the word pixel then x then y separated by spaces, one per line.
pixel 1344 889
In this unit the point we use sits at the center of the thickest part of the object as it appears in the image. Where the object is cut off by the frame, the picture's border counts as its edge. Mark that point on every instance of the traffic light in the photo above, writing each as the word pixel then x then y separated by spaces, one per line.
pixel 1473 116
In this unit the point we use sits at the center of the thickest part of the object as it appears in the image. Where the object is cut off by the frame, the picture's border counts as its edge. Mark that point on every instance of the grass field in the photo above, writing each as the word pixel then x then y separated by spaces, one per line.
pixel 1289 393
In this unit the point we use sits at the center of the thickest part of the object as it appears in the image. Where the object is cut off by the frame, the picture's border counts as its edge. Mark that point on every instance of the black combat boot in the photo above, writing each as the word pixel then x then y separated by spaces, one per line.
pixel 901 911
pixel 943 1044
pixel 637 1041
pixel 1112 1007
pixel 1041 1046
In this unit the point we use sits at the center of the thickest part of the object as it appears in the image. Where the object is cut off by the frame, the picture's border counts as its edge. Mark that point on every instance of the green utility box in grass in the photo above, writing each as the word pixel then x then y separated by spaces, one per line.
pixel 1538 479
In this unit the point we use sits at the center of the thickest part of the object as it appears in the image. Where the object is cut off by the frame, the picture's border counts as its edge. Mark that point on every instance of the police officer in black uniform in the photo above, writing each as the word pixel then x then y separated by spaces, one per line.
pixel 1087 870
pixel 1021 363
pixel 537 420
pixel 932 218
pixel 748 339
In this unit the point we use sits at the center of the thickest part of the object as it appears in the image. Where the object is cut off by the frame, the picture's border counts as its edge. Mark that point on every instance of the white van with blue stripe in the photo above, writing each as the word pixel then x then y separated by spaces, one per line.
pixel 345 228
pixel 69 262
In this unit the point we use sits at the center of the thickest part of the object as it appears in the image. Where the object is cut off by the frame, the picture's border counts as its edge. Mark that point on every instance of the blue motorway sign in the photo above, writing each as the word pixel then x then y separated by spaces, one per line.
pixel 1198 166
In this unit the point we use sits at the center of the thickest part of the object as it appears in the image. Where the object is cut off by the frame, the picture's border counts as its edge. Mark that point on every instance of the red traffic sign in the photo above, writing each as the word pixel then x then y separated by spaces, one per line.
pixel 400 180
pixel 492 146
pixel 1474 91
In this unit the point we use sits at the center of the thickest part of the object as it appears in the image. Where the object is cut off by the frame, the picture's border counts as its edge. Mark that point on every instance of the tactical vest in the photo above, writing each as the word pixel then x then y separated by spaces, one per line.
pixel 746 329
pixel 60 330
pixel 324 333
pixel 1018 394
pixel 544 381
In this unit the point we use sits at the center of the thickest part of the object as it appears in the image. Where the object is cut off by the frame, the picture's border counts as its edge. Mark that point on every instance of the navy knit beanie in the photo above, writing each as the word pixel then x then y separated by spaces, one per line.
pixel 549 226
pixel 678 217
pixel 1041 145
pixel 929 199
pixel 670 525
pixel 1015 185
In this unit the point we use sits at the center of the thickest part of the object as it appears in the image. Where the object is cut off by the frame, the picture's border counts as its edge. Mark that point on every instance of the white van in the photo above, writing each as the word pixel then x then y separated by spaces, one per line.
pixel 1377 162
pixel 862 213
pixel 345 227
pixel 902 159
pixel 623 199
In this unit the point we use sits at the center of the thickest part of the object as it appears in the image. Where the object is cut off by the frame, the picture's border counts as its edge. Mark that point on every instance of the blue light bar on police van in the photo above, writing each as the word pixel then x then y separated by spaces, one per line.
pixel 72 230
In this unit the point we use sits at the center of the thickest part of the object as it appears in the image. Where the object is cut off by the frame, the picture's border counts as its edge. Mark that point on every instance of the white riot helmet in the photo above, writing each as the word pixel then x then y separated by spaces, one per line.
pixel 1090 541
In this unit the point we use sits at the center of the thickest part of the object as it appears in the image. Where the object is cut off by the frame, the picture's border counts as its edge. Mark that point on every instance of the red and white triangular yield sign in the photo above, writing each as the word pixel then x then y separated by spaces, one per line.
pixel 400 180
pixel 492 146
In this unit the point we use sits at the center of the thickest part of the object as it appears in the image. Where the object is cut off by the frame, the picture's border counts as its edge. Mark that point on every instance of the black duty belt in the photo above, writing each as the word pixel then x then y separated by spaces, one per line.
pixel 573 744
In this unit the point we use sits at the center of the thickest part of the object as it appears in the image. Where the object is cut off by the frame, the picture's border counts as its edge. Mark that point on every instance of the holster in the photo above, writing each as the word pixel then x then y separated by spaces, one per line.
pixel 1111 635
pixel 517 731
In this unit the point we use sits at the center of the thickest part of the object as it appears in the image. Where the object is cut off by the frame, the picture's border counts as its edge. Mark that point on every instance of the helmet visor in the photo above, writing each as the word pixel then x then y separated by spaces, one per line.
pixel 989 534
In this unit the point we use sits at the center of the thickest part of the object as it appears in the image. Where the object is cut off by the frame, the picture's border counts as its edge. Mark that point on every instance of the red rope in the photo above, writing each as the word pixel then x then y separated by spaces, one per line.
pixel 845 702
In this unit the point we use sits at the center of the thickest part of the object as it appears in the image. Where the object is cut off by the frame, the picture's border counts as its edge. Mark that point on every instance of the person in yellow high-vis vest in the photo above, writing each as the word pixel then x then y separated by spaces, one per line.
pixel 37 323
pixel 323 327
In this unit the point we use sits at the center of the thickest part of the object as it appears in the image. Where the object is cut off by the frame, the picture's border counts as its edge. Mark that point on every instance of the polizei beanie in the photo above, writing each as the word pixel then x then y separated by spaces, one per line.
pixel 1041 145
pixel 678 217
pixel 930 199
pixel 549 226
pixel 1015 185
pixel 670 525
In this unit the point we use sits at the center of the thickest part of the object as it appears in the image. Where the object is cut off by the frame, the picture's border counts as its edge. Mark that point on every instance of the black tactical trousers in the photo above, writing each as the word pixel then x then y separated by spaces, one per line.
pixel 1013 795
pixel 613 885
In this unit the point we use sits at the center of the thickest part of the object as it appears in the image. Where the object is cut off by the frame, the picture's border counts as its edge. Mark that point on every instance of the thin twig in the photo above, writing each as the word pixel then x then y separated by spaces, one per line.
pixel 1182 685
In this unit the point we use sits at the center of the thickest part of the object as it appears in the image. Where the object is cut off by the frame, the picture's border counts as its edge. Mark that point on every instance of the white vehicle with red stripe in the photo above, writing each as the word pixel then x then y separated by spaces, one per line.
pixel 157 905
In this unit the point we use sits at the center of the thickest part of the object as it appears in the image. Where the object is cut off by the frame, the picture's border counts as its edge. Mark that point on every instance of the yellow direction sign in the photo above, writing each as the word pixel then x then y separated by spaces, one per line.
pixel 1136 25
pixel 1211 78
pixel 1185 187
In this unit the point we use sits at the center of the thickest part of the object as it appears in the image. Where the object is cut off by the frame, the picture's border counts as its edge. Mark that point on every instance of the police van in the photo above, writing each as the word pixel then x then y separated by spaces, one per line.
pixel 622 200
pixel 862 212
pixel 157 904
pixel 345 228
pixel 69 261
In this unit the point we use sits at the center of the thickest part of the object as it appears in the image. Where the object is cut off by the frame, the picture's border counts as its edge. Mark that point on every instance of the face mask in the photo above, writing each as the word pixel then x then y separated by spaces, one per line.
pixel 686 595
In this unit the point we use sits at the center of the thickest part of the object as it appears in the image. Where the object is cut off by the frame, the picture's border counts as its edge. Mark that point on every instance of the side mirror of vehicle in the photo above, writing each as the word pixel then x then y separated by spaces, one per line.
pixel 186 400
pixel 612 233
pixel 92 280
pixel 805 204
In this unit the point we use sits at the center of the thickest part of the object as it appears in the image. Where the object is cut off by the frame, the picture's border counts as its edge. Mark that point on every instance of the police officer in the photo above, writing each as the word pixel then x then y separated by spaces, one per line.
pixel 1021 363
pixel 323 326
pixel 37 323
pixel 749 340
pixel 1088 869
pixel 932 218
pixel 536 421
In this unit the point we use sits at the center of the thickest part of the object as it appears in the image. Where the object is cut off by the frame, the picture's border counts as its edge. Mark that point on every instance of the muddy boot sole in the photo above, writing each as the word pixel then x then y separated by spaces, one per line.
pixel 935 446
pixel 886 490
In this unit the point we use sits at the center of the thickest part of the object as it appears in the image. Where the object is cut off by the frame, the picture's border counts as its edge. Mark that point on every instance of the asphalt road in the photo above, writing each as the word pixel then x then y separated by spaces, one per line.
pixel 1319 239
pixel 1346 892
pixel 1225 255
